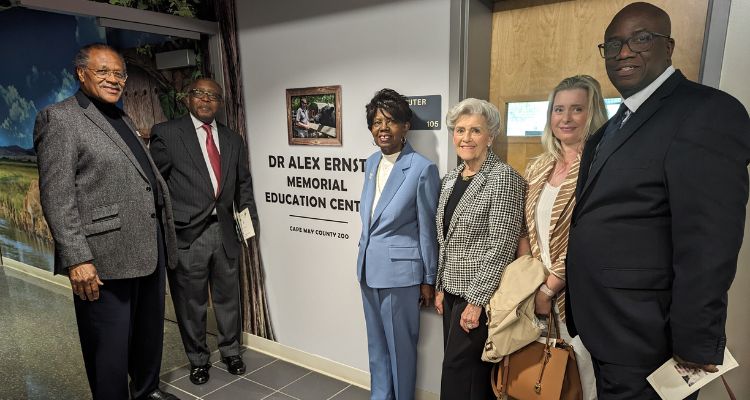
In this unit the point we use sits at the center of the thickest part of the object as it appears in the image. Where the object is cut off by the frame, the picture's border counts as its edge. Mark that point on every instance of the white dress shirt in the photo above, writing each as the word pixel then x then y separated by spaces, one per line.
pixel 635 101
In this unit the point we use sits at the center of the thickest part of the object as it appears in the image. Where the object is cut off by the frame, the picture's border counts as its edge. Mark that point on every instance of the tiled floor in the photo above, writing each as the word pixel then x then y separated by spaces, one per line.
pixel 266 378
pixel 40 356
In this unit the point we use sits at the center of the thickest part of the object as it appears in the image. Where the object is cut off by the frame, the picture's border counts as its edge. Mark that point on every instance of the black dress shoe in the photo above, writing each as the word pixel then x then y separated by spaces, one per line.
pixel 199 374
pixel 159 395
pixel 235 365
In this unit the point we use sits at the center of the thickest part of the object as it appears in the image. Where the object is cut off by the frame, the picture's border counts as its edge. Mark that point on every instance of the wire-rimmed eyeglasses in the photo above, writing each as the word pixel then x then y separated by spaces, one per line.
pixel 105 73
pixel 204 95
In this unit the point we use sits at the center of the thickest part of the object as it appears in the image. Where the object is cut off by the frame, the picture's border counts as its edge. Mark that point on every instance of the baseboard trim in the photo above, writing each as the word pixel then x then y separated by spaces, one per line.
pixel 38 273
pixel 319 364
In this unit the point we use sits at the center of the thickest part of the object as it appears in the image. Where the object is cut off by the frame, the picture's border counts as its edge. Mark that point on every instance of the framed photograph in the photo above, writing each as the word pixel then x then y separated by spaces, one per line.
pixel 314 115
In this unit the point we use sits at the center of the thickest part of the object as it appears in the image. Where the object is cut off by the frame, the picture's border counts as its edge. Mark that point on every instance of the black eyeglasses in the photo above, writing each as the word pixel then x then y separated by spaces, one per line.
pixel 105 73
pixel 638 43
pixel 204 95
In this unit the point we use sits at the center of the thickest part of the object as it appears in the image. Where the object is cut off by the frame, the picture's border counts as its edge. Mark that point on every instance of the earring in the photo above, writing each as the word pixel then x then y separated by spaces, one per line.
pixel 403 140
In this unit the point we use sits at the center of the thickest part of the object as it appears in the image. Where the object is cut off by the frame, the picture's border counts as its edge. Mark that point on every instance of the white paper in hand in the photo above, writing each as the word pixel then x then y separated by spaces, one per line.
pixel 673 382
pixel 245 223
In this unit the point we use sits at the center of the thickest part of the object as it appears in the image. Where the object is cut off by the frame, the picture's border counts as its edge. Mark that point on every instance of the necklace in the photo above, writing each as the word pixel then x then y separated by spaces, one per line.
pixel 467 178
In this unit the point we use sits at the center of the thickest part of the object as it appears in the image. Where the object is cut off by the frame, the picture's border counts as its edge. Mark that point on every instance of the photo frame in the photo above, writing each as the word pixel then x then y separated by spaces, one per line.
pixel 314 115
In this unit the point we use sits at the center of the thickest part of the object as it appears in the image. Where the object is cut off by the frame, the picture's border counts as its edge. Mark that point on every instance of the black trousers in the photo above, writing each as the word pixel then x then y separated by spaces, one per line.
pixel 203 263
pixel 623 382
pixel 121 334
pixel 465 376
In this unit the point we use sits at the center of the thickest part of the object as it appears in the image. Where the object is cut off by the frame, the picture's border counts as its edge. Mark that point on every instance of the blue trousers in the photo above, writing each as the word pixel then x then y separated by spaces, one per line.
pixel 392 318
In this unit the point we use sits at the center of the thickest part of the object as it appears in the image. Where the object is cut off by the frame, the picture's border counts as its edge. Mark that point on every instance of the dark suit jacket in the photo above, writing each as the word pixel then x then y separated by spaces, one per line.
pixel 657 227
pixel 176 151
pixel 96 198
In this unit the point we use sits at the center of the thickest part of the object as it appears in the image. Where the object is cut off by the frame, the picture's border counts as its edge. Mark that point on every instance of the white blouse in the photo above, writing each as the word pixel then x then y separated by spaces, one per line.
pixel 384 171
pixel 543 219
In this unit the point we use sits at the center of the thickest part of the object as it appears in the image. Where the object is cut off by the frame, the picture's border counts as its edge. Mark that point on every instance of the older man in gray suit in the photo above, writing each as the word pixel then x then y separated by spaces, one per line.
pixel 111 220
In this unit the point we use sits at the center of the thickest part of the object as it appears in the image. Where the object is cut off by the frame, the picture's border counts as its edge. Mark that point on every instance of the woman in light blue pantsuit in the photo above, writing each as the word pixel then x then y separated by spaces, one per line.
pixel 398 247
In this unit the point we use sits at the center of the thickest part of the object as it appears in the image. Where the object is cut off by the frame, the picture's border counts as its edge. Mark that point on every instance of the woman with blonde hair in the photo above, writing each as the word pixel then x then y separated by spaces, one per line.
pixel 576 110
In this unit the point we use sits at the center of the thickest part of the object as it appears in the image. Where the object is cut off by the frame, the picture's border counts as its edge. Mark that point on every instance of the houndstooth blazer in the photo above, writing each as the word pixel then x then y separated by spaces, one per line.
pixel 483 233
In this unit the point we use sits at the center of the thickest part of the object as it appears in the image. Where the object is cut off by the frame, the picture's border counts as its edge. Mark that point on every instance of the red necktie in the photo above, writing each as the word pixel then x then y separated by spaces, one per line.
pixel 213 155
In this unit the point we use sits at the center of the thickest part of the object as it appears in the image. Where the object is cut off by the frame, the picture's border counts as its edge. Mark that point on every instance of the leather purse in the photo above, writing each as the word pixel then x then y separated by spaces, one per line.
pixel 539 371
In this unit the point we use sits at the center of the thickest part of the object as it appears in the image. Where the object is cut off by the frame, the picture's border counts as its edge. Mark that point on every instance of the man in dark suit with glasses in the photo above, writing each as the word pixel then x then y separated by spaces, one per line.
pixel 205 165
pixel 659 217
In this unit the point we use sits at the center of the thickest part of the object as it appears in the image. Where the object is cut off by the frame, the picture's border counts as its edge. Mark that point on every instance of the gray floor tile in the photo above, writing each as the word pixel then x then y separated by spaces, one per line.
pixel 175 374
pixel 177 392
pixel 279 396
pixel 353 393
pixel 256 360
pixel 240 390
pixel 218 379
pixel 314 386
pixel 277 374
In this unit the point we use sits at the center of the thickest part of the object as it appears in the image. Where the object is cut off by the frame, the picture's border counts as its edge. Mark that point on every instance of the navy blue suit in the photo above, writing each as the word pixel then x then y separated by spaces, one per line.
pixel 397 253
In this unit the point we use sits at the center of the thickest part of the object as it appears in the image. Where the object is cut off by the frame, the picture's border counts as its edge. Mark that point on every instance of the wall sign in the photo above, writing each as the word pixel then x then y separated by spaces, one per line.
pixel 427 115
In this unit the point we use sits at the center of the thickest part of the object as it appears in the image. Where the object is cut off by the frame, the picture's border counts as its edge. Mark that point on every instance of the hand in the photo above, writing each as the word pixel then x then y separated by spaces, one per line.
pixel 426 295
pixel 688 364
pixel 470 317
pixel 439 295
pixel 542 304
pixel 85 281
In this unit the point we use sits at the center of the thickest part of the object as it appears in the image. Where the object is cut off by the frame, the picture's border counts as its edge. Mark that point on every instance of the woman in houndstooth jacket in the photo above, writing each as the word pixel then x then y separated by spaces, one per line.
pixel 479 222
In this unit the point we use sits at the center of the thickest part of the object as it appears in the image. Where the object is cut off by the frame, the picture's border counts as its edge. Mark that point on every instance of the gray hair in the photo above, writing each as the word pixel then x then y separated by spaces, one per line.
pixel 475 106
pixel 81 59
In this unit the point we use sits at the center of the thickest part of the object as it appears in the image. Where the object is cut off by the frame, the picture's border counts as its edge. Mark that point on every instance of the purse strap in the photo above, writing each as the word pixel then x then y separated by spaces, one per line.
pixel 547 353
pixel 729 390
pixel 553 316
pixel 500 390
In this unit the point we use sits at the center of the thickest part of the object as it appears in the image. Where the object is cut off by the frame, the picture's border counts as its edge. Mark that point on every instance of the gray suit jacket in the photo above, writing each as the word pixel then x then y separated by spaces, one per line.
pixel 95 196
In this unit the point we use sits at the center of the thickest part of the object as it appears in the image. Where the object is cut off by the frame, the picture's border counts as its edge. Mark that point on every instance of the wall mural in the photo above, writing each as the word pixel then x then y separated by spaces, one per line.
pixel 40 74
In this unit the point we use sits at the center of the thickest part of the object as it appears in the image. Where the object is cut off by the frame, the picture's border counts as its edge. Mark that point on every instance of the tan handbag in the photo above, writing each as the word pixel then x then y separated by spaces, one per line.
pixel 539 371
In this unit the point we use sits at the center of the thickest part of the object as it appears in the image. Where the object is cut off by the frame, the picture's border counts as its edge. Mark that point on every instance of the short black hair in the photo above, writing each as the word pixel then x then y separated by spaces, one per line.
pixel 81 59
pixel 391 102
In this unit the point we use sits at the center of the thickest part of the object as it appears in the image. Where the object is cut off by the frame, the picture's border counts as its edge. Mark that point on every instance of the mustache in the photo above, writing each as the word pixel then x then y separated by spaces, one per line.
pixel 117 85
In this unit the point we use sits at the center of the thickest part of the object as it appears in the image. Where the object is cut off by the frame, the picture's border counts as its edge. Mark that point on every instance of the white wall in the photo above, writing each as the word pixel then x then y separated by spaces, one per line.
pixel 362 45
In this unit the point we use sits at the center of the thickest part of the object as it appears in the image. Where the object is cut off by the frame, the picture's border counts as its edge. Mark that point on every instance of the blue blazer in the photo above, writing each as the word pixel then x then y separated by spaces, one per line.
pixel 398 245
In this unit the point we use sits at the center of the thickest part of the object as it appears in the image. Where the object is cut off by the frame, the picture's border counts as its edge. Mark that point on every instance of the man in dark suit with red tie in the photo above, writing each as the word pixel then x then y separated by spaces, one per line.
pixel 659 217
pixel 205 165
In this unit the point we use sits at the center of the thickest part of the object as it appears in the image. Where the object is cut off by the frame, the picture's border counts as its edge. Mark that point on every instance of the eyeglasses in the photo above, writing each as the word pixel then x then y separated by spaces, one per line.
pixel 638 43
pixel 381 122
pixel 105 73
pixel 204 95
